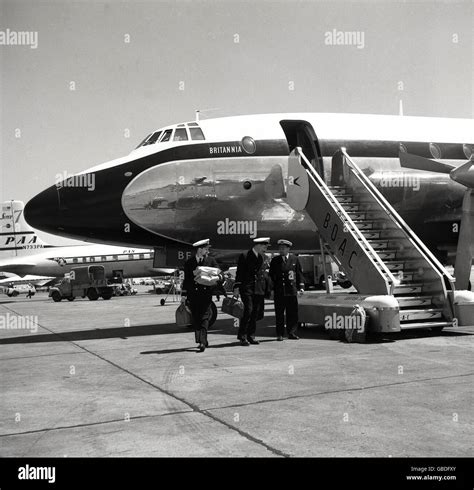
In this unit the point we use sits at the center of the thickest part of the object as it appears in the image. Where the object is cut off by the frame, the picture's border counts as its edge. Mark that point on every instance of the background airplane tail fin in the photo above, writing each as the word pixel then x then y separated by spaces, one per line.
pixel 17 237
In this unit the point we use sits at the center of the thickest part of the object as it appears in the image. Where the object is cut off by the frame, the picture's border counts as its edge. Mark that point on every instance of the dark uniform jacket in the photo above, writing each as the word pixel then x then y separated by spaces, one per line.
pixel 250 276
pixel 190 286
pixel 287 277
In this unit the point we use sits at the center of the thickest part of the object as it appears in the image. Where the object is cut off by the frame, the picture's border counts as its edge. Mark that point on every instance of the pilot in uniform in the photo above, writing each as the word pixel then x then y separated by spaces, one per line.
pixel 199 296
pixel 250 284
pixel 287 278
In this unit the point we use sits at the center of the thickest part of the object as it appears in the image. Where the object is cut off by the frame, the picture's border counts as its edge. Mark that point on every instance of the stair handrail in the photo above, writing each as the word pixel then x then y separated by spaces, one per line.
pixel 373 256
pixel 377 195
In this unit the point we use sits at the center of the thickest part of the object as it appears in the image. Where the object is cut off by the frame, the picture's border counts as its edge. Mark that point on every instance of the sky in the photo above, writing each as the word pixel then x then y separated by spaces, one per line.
pixel 106 73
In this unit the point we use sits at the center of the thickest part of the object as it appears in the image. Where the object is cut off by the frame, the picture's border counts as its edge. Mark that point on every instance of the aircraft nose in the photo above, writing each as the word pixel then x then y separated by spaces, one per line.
pixel 42 211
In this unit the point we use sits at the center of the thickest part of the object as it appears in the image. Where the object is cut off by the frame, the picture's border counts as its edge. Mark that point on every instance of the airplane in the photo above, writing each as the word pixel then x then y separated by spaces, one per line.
pixel 23 252
pixel 226 179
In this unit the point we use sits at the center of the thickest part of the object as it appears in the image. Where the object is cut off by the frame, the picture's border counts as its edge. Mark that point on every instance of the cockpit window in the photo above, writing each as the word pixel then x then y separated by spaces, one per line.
pixel 166 135
pixel 142 141
pixel 196 133
pixel 153 138
pixel 180 135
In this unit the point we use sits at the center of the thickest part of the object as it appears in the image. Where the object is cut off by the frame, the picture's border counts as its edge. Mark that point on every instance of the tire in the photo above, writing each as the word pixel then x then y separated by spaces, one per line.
pixel 106 296
pixel 71 298
pixel 213 318
pixel 346 284
pixel 56 295
pixel 15 294
pixel 322 282
pixel 92 294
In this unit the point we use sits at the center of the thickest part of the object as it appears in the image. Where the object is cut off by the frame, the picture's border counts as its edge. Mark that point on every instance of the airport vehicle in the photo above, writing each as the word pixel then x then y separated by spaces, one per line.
pixel 315 274
pixel 124 290
pixel 12 290
pixel 23 252
pixel 81 282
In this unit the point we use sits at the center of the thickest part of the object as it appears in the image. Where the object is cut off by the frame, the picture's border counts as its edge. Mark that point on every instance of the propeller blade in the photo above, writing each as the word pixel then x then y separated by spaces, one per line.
pixel 464 174
pixel 407 160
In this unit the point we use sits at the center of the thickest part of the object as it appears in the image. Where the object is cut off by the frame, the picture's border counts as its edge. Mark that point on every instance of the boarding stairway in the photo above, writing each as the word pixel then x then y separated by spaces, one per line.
pixel 373 245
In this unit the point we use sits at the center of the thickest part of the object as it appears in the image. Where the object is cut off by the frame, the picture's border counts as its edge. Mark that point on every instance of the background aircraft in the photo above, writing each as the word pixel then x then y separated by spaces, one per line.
pixel 23 253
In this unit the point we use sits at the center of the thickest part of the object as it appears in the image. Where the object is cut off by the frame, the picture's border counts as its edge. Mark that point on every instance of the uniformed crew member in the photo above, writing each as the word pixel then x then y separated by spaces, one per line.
pixel 250 284
pixel 287 278
pixel 199 296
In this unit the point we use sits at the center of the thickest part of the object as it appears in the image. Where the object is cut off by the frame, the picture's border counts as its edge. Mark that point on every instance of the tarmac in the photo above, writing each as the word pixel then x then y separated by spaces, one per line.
pixel 119 378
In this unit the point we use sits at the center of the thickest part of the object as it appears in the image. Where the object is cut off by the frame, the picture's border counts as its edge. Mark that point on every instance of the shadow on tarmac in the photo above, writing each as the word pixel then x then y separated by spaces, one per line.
pixel 265 329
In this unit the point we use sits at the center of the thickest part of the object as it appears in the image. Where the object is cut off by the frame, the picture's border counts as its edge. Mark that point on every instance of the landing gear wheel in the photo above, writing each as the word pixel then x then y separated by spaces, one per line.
pixel 213 318
pixel 56 295
pixel 162 301
pixel 92 294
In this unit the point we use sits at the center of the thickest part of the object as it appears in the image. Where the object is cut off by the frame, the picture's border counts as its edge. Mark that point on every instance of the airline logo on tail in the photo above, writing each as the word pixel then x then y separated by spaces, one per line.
pixel 16 236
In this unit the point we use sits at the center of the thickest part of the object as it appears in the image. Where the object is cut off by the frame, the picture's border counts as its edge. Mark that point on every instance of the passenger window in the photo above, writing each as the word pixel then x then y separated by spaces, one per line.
pixel 196 134
pixel 104 258
pixel 153 138
pixel 180 135
pixel 166 135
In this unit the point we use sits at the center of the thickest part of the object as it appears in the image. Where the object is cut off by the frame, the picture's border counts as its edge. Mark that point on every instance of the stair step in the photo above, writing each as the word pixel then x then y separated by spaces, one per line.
pixel 399 264
pixel 379 244
pixel 345 198
pixel 351 205
pixel 408 288
pixel 428 324
pixel 412 314
pixel 387 253
pixel 410 301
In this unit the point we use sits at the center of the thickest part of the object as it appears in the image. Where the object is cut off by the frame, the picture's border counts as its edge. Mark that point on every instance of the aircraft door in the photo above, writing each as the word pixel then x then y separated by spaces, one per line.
pixel 301 133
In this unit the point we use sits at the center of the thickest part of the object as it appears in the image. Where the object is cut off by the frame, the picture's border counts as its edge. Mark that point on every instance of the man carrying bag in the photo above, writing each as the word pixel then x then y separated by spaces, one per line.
pixel 201 275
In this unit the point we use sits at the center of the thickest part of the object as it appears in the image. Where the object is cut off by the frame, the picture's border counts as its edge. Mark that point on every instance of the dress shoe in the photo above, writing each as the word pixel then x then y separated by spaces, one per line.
pixel 202 347
pixel 279 338
pixel 244 342
pixel 253 341
pixel 293 337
